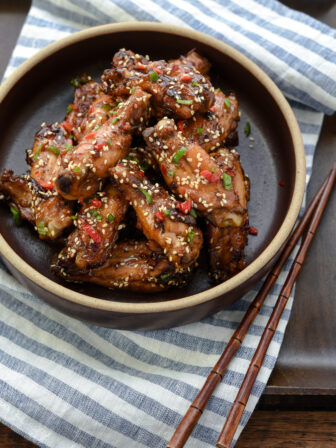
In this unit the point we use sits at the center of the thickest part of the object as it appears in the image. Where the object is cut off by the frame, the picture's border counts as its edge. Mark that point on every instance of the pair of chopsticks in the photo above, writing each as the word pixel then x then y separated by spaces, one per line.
pixel 313 214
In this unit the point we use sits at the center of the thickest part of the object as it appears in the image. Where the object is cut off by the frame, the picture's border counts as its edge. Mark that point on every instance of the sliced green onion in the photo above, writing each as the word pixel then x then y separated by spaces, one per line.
pixel 16 215
pixel 164 277
pixel 41 228
pixel 96 127
pixel 199 131
pixel 74 217
pixel 147 195
pixel 194 84
pixel 171 173
pixel 110 143
pixel 114 120
pixel 213 169
pixel 74 82
pixel 180 153
pixel 53 149
pixel 107 107
pixel 38 152
pixel 77 169
pixel 144 166
pixel 227 181
pixel 166 212
pixel 99 217
pixel 110 217
pixel 193 213
pixel 191 235
pixel 154 76
pixel 247 129
pixel 218 90
pixel 132 90
pixel 68 147
pixel 186 102
pixel 69 109
pixel 227 103
pixel 84 80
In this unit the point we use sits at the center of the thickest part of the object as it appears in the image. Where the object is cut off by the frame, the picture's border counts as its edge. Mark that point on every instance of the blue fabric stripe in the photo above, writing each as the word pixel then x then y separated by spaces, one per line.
pixel 43 23
pixel 66 14
pixel 287 88
pixel 277 30
pixel 47 418
pixel 295 15
pixel 85 404
pixel 304 68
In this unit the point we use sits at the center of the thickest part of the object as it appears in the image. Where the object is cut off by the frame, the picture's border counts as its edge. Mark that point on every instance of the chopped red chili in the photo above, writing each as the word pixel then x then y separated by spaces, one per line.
pixel 127 126
pixel 230 173
pixel 253 231
pixel 92 232
pixel 185 206
pixel 141 67
pixel 98 146
pixel 160 216
pixel 96 203
pixel 163 169
pixel 158 71
pixel 185 77
pixel 211 177
pixel 67 126
pixel 180 125
pixel 46 185
pixel 282 184
pixel 212 109
pixel 91 135
pixel 142 173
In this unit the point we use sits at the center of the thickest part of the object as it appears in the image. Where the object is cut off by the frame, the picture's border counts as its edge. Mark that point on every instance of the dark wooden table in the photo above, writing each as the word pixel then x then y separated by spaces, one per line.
pixel 298 408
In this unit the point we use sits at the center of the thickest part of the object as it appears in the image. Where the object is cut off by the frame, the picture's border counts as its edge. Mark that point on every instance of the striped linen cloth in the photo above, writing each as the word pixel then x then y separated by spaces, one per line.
pixel 64 383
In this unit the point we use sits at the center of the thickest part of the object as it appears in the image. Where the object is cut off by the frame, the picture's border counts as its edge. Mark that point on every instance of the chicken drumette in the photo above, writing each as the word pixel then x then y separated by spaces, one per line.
pixel 177 90
pixel 81 170
pixel 97 224
pixel 160 216
pixel 133 265
pixel 206 182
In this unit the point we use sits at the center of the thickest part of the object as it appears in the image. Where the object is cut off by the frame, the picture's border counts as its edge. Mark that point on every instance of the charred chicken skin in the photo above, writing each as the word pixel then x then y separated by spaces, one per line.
pixel 177 90
pixel 81 170
pixel 97 223
pixel 195 60
pixel 160 216
pixel 134 266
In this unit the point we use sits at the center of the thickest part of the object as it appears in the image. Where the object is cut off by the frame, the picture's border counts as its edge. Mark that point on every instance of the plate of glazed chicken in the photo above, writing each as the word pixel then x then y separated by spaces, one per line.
pixel 134 192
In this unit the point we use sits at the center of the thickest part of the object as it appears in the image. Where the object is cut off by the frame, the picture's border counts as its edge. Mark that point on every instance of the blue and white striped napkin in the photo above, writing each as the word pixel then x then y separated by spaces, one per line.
pixel 64 383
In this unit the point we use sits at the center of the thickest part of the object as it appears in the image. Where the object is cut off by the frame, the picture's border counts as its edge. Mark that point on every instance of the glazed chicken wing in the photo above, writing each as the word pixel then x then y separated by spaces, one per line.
pixel 193 59
pixel 193 174
pixel 80 170
pixel 159 216
pixel 47 211
pixel 177 90
pixel 226 244
pixel 134 266
pixel 90 244
pixel 210 130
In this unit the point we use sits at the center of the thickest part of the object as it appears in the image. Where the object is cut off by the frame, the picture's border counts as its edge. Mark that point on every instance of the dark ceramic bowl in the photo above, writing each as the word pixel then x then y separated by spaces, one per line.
pixel 39 91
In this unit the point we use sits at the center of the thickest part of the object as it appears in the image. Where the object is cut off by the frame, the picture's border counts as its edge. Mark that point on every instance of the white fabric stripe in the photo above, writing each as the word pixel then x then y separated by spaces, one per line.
pixel 35 429
pixel 24 52
pixel 301 52
pixel 291 24
pixel 98 393
pixel 51 401
pixel 113 10
pixel 44 14
pixel 262 55
pixel 32 31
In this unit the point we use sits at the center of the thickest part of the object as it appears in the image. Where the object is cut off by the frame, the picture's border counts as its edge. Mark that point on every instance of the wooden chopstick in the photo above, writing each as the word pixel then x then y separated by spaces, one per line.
pixel 195 410
pixel 233 419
